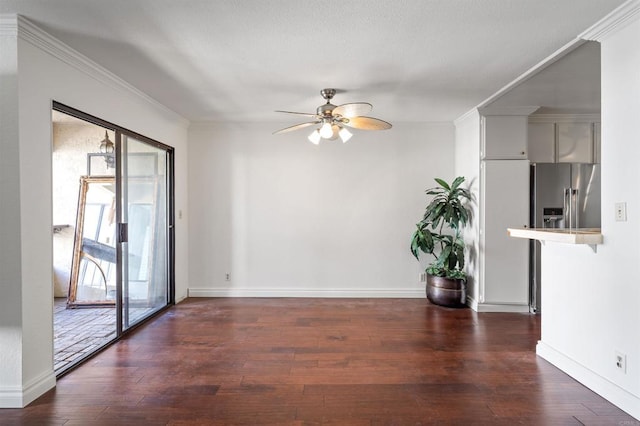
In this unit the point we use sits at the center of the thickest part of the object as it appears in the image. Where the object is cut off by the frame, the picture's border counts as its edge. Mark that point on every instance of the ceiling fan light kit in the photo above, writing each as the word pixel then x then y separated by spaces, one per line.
pixel 333 120
pixel 315 137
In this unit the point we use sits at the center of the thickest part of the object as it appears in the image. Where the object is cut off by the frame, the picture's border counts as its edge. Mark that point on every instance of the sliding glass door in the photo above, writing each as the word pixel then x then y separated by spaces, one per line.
pixel 114 268
pixel 143 229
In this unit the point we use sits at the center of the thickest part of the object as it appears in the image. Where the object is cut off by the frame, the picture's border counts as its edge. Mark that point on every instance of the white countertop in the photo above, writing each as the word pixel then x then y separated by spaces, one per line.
pixel 568 236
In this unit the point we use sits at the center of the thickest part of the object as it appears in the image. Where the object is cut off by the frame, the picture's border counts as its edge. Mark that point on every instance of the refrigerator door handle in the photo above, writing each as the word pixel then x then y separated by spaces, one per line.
pixel 567 208
pixel 575 207
pixel 570 208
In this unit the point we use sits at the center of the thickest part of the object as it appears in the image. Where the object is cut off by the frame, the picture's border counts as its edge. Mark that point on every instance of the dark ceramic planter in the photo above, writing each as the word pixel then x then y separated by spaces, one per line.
pixel 448 292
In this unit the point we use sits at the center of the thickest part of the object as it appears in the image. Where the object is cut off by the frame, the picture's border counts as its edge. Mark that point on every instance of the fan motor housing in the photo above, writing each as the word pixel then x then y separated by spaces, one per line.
pixel 325 110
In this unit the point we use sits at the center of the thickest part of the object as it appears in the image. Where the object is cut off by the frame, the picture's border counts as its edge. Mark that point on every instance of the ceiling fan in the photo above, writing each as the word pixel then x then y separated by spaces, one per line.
pixel 333 120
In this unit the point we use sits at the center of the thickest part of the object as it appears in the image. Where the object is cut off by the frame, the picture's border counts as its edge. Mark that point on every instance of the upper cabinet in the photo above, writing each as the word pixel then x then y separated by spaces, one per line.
pixel 564 139
pixel 575 142
pixel 503 132
pixel 504 137
pixel 541 142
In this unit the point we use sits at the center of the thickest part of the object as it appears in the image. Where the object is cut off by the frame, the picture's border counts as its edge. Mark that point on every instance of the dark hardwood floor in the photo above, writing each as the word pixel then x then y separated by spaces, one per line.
pixel 322 361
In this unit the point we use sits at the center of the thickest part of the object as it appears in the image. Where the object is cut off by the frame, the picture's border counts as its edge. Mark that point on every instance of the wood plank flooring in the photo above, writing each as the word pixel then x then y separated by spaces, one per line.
pixel 322 361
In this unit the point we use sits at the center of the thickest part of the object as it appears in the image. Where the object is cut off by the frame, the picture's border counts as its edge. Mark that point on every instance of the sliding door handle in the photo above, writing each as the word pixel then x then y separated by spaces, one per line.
pixel 123 232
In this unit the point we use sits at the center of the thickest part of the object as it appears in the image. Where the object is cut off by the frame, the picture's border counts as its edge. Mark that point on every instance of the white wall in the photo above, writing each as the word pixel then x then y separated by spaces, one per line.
pixel 287 218
pixel 590 300
pixel 10 244
pixel 467 164
pixel 50 71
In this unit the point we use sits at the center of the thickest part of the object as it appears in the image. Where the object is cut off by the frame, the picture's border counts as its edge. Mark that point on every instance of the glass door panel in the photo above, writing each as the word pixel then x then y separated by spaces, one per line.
pixel 118 264
pixel 144 212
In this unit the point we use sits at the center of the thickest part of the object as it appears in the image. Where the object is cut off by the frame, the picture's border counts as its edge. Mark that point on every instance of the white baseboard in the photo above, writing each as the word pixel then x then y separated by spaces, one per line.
pixel 498 307
pixel 288 292
pixel 20 397
pixel 11 397
pixel 611 392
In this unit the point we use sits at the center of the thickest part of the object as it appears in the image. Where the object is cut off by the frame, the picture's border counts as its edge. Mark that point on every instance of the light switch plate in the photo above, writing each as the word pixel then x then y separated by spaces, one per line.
pixel 621 212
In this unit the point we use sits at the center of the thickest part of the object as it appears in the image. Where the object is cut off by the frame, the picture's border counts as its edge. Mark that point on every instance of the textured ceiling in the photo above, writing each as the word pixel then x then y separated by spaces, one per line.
pixel 221 60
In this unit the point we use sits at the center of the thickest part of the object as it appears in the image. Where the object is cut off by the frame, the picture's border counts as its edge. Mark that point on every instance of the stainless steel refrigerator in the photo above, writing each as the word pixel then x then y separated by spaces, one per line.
pixel 563 195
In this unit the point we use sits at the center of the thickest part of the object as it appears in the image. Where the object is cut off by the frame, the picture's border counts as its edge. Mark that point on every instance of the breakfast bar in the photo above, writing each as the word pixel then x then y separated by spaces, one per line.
pixel 589 236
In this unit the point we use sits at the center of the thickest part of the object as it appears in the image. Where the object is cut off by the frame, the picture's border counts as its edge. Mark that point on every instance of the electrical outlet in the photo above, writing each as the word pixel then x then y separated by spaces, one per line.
pixel 621 362
pixel 422 277
pixel 227 276
pixel 621 212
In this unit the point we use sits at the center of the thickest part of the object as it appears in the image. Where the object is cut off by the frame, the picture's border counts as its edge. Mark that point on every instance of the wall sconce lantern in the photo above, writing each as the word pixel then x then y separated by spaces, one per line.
pixel 107 149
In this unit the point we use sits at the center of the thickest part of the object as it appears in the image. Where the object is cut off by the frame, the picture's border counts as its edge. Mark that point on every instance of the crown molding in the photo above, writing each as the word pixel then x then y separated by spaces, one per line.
pixel 490 111
pixel 613 22
pixel 472 113
pixel 8 25
pixel 35 36
pixel 516 110
pixel 564 118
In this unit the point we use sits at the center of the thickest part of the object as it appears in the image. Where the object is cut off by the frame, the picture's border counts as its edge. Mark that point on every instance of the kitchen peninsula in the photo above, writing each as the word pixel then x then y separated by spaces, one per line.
pixel 590 236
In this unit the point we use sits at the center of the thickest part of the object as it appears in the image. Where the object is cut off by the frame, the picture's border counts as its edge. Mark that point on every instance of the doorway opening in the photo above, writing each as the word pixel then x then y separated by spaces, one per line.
pixel 113 232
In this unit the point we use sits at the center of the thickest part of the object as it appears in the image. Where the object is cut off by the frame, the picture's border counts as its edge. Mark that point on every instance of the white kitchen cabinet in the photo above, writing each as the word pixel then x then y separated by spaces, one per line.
pixel 541 138
pixel 504 261
pixel 504 137
pixel 498 266
pixel 575 142
pixel 564 138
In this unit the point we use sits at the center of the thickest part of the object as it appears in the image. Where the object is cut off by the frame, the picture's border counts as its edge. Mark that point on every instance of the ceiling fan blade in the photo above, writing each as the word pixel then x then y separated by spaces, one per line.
pixel 367 123
pixel 295 127
pixel 353 110
pixel 306 114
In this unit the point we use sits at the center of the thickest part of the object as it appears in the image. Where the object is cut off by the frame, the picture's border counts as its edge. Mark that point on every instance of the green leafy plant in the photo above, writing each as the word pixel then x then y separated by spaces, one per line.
pixel 439 233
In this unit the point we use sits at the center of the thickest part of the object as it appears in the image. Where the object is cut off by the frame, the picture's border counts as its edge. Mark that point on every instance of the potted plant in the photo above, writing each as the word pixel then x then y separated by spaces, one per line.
pixel 439 234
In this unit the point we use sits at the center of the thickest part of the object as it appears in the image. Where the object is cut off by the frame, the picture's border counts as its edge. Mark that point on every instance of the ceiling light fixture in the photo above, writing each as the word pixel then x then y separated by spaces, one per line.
pixel 333 120
pixel 326 131
pixel 331 132
pixel 315 137
pixel 345 134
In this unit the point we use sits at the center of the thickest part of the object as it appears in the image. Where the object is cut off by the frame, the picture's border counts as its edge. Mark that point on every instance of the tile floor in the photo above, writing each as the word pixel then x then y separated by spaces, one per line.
pixel 79 332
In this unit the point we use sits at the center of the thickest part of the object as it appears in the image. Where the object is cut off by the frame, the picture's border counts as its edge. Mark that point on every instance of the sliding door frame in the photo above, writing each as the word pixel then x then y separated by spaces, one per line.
pixel 170 206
